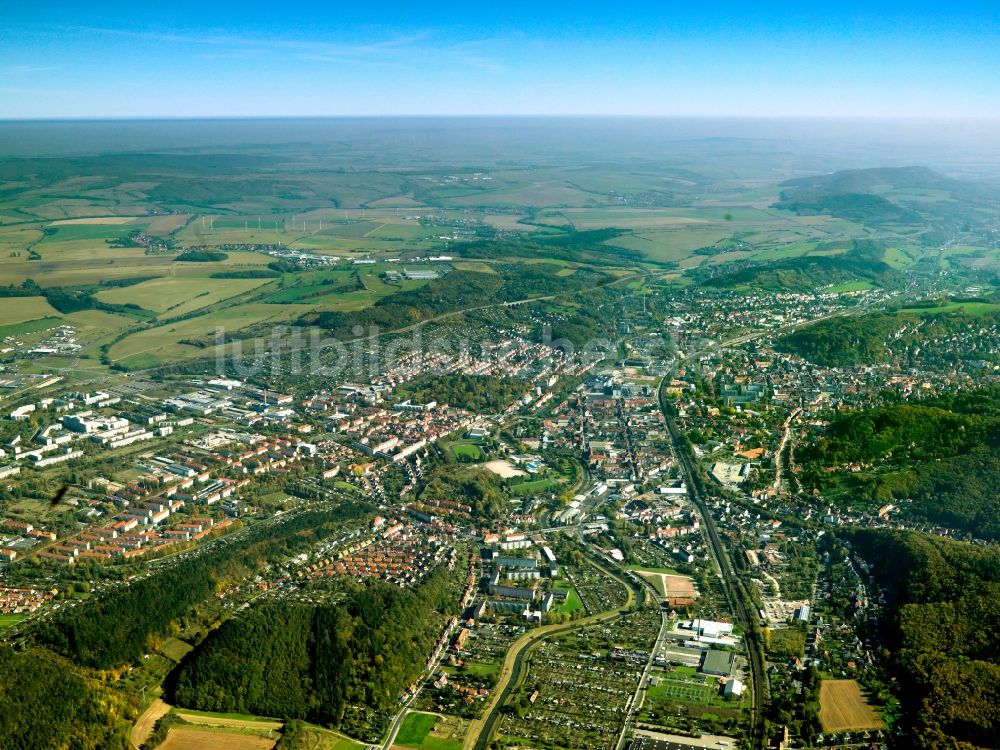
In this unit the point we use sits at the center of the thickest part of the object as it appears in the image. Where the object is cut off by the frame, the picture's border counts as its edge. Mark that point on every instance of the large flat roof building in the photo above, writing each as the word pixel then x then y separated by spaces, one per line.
pixel 717 662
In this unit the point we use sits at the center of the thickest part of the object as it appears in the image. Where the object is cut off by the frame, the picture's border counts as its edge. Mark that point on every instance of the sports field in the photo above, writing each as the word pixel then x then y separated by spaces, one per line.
pixel 669 585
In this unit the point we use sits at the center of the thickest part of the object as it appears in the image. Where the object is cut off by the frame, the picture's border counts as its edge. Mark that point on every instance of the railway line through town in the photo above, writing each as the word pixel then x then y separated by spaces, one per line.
pixel 731 584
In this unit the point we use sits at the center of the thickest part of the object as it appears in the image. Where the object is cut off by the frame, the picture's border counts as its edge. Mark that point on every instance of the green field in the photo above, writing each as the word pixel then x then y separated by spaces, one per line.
pixel 154 346
pixel 20 309
pixel 175 649
pixel 467 450
pixel 311 737
pixel 7 620
pixel 415 728
pixel 218 715
pixel 481 670
pixel 682 671
pixel 534 487
pixel 850 286
pixel 687 691
pixel 572 603
pixel 29 326
pixel 679 686
pixel 430 732
pixel 971 308
pixel 172 296
pixel 440 743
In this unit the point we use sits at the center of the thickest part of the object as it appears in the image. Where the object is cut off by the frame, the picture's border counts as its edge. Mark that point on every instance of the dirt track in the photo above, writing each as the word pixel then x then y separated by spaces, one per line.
pixel 144 726
pixel 222 721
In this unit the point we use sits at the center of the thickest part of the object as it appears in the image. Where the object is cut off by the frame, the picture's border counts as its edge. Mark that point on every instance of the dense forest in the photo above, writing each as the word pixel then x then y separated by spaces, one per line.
pixel 863 208
pixel 44 705
pixel 875 338
pixel 455 291
pixel 942 631
pixel 201 255
pixel 844 341
pixel 942 454
pixel 588 317
pixel 898 434
pixel 341 665
pixel 483 490
pixel 589 247
pixel 116 628
pixel 476 393
pixel 249 273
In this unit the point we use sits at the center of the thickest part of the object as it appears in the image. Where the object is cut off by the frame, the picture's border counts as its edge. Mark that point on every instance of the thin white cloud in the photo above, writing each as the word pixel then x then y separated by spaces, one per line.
pixel 393 50
pixel 34 93
pixel 230 55
pixel 26 69
pixel 239 42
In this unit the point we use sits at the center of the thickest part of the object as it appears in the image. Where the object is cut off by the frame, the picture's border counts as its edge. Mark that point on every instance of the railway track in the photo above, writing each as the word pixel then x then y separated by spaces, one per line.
pixel 731 585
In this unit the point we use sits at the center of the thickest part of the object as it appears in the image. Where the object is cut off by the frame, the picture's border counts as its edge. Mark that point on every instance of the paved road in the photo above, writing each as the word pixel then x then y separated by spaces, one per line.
pixel 480 730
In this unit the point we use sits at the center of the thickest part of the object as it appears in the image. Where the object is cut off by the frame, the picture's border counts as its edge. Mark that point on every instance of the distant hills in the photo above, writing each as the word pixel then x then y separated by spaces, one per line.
pixel 890 196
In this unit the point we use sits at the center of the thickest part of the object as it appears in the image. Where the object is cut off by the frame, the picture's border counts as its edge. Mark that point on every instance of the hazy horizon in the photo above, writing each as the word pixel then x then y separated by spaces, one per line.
pixel 960 147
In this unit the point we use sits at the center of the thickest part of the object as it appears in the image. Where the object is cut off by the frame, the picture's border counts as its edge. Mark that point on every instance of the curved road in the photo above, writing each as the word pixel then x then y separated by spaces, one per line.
pixel 480 730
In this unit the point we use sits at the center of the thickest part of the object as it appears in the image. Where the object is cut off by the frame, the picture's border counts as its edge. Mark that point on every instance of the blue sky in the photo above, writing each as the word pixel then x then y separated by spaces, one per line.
pixel 756 58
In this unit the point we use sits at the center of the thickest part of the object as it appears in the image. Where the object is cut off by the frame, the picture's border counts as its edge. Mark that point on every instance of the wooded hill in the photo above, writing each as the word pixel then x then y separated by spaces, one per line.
pixel 44 704
pixel 588 247
pixel 942 454
pixel 875 338
pixel 863 262
pixel 889 195
pixel 341 665
pixel 476 393
pixel 479 488
pixel 457 290
pixel 942 629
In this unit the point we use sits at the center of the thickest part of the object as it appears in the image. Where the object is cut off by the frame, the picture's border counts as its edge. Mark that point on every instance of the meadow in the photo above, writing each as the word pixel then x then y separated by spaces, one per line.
pixel 430 732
